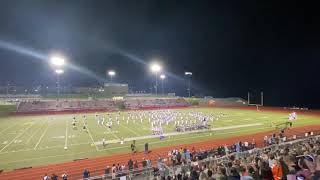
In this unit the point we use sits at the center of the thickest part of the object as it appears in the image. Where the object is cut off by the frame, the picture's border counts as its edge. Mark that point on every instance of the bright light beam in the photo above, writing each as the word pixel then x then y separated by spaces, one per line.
pixel 40 56
pixel 22 50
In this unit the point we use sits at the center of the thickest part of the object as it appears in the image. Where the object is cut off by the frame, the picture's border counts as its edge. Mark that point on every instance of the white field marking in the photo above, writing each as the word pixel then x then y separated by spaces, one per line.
pixel 34 133
pixel 16 137
pixel 44 132
pixel 110 132
pixel 60 146
pixel 174 134
pixel 66 141
pixel 89 133
pixel 58 137
pixel 130 130
pixel 121 147
pixel 8 127
pixel 21 150
pixel 193 132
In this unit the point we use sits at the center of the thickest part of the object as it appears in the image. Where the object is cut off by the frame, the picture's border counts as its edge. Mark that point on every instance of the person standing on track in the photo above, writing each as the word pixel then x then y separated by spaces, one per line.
pixel 86 173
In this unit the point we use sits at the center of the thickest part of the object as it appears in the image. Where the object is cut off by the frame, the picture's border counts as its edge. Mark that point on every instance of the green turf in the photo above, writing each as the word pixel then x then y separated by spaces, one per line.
pixel 39 140
pixel 6 109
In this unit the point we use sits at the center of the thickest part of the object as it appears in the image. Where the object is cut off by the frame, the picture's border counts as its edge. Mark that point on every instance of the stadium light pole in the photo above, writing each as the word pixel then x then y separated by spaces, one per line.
pixel 156 68
pixel 58 72
pixel 111 73
pixel 188 74
pixel 162 77
pixel 57 62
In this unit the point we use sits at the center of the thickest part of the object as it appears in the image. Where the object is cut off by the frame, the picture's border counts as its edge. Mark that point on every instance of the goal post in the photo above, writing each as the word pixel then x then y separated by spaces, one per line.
pixel 255 98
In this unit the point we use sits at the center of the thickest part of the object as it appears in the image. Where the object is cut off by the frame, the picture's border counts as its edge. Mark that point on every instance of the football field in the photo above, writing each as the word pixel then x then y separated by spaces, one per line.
pixel 46 139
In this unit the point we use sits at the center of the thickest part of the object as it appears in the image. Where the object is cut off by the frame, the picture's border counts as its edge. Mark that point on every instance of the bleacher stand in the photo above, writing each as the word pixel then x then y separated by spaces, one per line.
pixel 56 106
pixel 98 105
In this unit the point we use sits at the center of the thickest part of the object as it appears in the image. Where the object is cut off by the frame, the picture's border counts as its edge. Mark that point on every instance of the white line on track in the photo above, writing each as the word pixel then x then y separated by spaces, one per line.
pixel 16 138
pixel 66 141
pixel 44 132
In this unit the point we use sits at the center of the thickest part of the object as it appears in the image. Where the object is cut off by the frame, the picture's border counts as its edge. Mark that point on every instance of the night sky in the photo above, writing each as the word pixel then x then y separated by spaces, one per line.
pixel 230 46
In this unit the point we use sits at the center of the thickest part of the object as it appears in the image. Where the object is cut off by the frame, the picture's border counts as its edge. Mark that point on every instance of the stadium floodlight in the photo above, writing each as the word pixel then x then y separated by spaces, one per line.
pixel 111 73
pixel 57 61
pixel 156 68
pixel 59 71
pixel 162 76
pixel 188 74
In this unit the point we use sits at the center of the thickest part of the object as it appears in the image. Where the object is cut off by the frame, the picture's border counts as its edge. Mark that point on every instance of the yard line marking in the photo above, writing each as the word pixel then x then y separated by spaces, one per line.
pixel 89 133
pixel 34 134
pixel 130 130
pixel 16 137
pixel 21 150
pixel 111 132
pixel 9 127
pixel 35 147
pixel 123 147
pixel 66 142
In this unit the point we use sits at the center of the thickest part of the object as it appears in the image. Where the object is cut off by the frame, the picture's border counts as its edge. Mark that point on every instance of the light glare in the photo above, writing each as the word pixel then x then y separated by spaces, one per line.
pixel 162 76
pixel 112 73
pixel 57 61
pixel 155 67
pixel 59 71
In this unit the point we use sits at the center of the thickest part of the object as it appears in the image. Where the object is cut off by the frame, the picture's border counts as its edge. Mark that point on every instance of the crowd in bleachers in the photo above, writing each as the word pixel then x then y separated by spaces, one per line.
pixel 43 106
pixel 295 159
pixel 78 105
pixel 291 161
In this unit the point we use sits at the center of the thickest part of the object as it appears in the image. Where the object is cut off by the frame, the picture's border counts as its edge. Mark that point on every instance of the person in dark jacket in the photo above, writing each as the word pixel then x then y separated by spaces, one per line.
pixel 265 172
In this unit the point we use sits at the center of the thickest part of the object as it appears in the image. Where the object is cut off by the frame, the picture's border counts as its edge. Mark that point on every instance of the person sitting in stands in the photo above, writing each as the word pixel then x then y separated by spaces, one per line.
pixel 130 164
pixel 107 171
